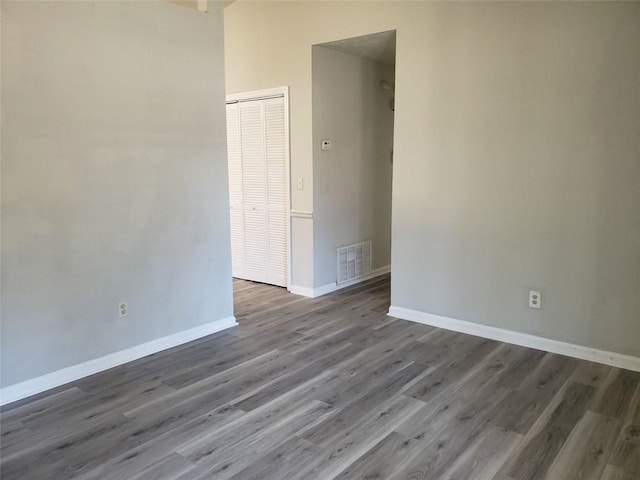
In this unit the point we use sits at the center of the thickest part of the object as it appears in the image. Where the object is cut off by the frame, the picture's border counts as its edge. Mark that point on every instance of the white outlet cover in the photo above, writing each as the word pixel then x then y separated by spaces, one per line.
pixel 535 299
pixel 122 309
pixel 325 144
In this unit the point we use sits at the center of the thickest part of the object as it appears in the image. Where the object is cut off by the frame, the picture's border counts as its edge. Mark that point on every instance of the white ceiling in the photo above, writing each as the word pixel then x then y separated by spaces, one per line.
pixel 380 47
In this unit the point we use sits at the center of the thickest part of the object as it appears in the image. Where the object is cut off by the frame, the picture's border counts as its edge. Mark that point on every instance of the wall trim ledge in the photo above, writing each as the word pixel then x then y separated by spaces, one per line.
pixel 332 287
pixel 35 385
pixel 614 359
pixel 301 214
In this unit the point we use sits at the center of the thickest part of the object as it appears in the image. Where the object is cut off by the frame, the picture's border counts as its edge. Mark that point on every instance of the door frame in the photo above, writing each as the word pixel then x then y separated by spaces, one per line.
pixel 262 95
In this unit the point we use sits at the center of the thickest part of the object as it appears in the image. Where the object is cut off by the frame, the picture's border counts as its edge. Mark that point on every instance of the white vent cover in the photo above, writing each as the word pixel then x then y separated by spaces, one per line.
pixel 354 261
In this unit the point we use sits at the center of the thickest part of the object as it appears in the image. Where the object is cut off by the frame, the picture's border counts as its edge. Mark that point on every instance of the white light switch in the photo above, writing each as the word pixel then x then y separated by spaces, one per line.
pixel 325 145
pixel 299 183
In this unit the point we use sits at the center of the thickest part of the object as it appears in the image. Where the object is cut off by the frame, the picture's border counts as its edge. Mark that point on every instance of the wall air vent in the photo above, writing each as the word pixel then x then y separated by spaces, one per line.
pixel 354 261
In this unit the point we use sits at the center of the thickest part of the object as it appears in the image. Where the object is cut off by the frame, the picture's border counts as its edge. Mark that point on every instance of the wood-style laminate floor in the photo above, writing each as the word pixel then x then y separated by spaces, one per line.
pixel 332 388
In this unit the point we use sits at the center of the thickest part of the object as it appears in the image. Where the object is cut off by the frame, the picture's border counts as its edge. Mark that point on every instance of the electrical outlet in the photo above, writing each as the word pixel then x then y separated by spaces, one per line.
pixel 535 299
pixel 122 309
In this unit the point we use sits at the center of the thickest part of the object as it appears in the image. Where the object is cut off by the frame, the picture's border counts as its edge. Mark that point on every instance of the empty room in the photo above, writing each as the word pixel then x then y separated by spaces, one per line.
pixel 320 240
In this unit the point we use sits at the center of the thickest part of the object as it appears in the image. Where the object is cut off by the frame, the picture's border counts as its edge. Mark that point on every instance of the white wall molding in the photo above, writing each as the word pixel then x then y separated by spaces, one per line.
pixel 517 338
pixel 304 291
pixel 258 94
pixel 301 214
pixel 32 386
pixel 332 287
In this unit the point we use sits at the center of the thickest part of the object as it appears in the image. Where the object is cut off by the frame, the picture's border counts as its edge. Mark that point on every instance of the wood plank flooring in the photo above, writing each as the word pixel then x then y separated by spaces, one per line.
pixel 332 388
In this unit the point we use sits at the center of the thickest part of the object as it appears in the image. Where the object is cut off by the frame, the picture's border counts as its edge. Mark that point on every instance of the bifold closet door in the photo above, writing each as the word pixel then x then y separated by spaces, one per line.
pixel 235 191
pixel 254 185
pixel 277 191
pixel 258 190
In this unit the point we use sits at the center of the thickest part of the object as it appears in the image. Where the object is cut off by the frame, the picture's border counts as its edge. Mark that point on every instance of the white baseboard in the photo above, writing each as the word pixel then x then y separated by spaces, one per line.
pixel 523 339
pixel 304 291
pixel 30 387
pixel 332 287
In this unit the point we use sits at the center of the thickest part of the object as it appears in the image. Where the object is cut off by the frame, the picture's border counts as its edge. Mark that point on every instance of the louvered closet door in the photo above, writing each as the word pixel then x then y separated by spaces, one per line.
pixel 258 190
pixel 277 191
pixel 254 185
pixel 235 191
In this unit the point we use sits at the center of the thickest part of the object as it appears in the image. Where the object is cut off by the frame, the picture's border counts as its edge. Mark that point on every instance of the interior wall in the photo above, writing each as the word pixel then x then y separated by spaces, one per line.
pixel 114 180
pixel 515 151
pixel 352 181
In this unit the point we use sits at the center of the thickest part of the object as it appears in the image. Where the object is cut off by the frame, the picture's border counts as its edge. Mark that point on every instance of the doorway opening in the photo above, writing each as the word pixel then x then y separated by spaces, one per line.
pixel 353 103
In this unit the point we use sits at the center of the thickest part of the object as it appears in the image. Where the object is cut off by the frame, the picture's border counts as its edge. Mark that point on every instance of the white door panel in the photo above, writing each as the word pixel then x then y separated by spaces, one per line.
pixel 259 190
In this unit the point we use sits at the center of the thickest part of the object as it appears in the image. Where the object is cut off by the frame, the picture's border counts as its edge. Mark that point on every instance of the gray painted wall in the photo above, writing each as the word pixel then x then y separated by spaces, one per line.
pixel 352 181
pixel 114 179
pixel 518 166
pixel 517 132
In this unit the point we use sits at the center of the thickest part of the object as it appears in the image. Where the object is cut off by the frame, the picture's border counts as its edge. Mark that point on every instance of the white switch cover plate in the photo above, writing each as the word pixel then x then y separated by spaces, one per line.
pixel 299 183
pixel 535 299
